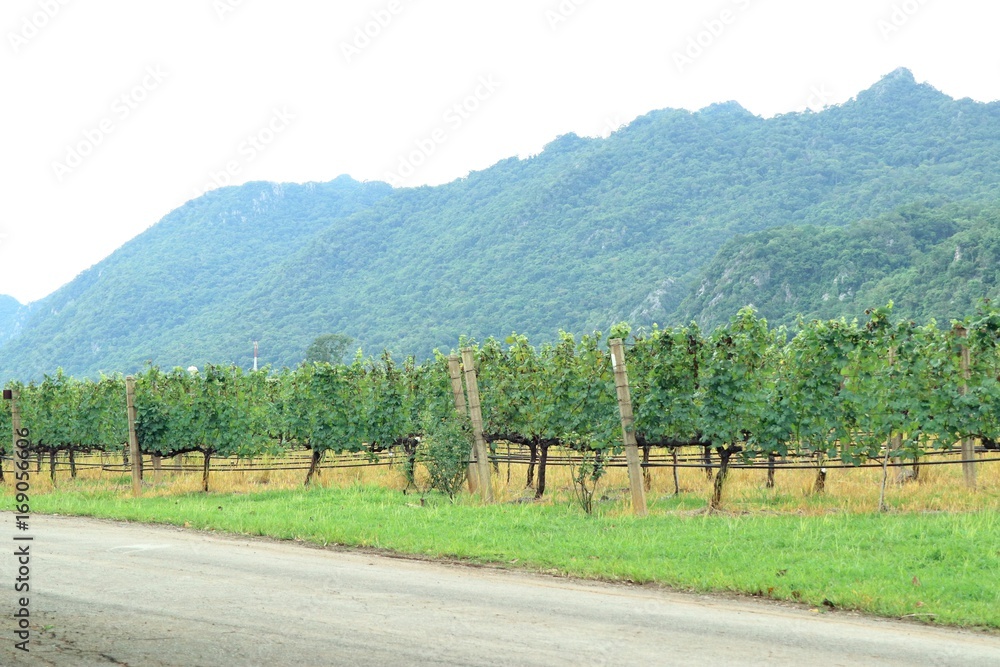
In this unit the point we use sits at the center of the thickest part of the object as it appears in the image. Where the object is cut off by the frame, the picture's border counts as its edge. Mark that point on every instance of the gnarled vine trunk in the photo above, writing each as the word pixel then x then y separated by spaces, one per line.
pixel 532 461
pixel 410 447
pixel 647 479
pixel 205 469
pixel 820 484
pixel 725 453
pixel 313 466
pixel 677 486
pixel 542 461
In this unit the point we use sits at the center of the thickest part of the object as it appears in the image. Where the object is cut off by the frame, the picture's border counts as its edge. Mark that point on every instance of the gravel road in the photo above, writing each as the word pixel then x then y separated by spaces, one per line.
pixel 110 593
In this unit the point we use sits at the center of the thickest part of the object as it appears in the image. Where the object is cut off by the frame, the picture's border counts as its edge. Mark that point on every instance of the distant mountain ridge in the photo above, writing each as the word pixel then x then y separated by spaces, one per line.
pixel 587 233
pixel 124 311
pixel 933 262
pixel 12 314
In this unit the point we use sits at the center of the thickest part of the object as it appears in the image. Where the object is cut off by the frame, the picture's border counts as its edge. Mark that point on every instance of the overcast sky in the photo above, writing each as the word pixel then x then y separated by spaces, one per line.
pixel 118 111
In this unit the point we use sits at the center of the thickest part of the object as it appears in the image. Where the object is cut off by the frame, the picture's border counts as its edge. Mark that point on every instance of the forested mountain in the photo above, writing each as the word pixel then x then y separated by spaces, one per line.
pixel 588 232
pixel 931 261
pixel 11 315
pixel 129 308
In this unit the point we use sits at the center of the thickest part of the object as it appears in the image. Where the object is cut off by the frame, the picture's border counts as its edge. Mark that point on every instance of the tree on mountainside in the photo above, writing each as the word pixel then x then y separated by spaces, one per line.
pixel 329 348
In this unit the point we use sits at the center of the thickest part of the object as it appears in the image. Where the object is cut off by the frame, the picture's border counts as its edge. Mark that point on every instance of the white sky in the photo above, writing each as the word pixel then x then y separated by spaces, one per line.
pixel 199 77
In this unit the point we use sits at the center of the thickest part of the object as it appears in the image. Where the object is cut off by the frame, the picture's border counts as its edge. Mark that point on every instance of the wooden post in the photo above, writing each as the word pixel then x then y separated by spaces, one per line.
pixel 968 444
pixel 133 441
pixel 475 412
pixel 628 427
pixel 455 370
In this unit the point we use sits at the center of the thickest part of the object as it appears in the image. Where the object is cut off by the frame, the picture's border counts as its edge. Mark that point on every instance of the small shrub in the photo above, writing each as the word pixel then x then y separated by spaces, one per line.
pixel 447 445
pixel 586 476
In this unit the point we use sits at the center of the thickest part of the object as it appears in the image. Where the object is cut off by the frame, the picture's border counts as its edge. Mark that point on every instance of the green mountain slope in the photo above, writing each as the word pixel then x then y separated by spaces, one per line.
pixel 595 231
pixel 124 311
pixel 931 261
pixel 12 314
pixel 588 232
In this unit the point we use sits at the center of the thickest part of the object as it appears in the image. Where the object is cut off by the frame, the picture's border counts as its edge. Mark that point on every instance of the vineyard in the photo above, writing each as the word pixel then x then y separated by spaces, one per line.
pixel 882 393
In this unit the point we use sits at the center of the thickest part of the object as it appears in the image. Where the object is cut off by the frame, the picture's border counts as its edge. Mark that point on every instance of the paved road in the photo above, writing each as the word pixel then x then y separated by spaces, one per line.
pixel 108 593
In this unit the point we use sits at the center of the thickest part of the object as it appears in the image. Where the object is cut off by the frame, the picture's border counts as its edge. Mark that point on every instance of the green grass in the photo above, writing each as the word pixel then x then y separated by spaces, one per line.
pixel 937 567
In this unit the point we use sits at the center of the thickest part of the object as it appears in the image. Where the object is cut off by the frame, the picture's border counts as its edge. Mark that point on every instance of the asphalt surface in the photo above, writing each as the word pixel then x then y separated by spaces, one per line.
pixel 109 593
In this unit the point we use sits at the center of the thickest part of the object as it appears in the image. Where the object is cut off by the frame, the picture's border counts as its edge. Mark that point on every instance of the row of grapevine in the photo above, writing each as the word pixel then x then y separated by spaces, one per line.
pixel 224 411
pixel 835 389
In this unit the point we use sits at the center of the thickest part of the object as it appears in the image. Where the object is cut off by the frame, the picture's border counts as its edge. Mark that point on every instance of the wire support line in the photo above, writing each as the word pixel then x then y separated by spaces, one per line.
pixel 568 461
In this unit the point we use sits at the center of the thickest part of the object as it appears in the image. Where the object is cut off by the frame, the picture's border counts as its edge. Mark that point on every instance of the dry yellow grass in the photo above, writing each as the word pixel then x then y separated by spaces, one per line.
pixel 940 487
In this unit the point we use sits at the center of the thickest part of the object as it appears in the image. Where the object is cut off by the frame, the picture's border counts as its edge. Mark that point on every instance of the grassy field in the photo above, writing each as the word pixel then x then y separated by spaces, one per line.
pixel 934 558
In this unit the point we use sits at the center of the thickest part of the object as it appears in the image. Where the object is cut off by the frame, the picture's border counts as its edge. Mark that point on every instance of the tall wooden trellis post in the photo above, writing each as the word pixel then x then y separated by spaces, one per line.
pixel 628 427
pixel 475 413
